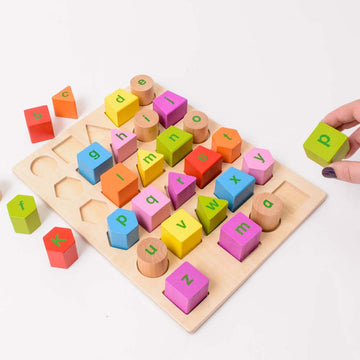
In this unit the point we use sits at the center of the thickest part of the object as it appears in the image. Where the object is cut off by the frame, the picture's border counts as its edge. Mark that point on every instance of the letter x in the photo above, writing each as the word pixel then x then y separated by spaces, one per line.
pixel 234 179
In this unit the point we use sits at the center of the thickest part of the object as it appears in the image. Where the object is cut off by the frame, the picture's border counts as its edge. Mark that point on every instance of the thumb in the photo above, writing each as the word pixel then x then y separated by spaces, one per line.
pixel 343 170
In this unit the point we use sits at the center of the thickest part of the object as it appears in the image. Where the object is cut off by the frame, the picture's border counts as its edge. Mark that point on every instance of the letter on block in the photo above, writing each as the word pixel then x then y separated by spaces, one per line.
pixel 121 106
pixel 150 165
pixel 186 287
pixel 204 164
pixel 123 144
pixel 197 124
pixel 175 144
pixel 227 142
pixel 146 123
pixel 235 186
pixel 60 247
pixel 119 184
pixel 170 107
pixel 151 207
pixel 181 188
pixel 39 124
pixel 64 104
pixel 181 233
pixel 123 229
pixel 326 145
pixel 239 236
pixel 143 87
pixel 93 161
pixel 23 214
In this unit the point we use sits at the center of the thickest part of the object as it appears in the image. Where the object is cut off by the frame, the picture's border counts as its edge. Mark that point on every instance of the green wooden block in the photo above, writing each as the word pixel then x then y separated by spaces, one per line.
pixel 211 212
pixel 174 144
pixel 23 214
pixel 326 145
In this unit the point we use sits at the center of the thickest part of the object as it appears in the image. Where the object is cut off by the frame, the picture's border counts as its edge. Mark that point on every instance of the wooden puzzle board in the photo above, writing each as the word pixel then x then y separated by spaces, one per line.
pixel 51 172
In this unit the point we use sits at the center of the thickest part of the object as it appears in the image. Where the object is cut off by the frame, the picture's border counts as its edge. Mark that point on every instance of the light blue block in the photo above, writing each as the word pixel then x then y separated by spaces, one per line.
pixel 93 161
pixel 123 229
pixel 235 186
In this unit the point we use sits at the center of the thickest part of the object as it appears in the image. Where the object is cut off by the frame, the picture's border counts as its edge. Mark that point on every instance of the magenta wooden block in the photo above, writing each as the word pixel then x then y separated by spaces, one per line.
pixel 186 287
pixel 151 207
pixel 123 144
pixel 240 236
pixel 170 107
pixel 181 188
pixel 259 163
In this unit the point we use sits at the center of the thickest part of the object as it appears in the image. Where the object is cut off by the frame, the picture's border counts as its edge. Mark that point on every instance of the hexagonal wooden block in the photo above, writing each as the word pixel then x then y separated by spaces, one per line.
pixel 227 142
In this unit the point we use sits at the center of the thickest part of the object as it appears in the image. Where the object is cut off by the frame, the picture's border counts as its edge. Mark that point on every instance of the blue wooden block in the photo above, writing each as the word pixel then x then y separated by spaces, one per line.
pixel 235 186
pixel 123 229
pixel 93 161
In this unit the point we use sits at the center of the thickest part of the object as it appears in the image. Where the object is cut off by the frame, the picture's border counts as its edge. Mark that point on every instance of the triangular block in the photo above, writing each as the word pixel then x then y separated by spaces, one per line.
pixel 150 165
pixel 181 188
pixel 64 104
pixel 123 144
pixel 211 212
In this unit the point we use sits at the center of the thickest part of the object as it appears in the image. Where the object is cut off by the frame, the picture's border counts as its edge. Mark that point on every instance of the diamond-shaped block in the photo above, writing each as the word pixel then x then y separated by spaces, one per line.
pixel 227 142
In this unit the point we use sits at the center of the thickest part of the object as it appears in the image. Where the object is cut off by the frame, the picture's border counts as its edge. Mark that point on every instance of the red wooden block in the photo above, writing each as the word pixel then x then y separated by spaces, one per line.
pixel 39 124
pixel 204 164
pixel 60 247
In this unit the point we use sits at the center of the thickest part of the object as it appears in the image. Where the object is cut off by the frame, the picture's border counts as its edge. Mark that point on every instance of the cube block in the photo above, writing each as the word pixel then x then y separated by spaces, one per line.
pixel 181 188
pixel 123 144
pixel 227 142
pixel 150 165
pixel 39 124
pixel 64 104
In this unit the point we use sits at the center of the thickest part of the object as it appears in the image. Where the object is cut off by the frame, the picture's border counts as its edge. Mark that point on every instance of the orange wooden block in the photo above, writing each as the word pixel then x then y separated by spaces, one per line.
pixel 227 142
pixel 64 104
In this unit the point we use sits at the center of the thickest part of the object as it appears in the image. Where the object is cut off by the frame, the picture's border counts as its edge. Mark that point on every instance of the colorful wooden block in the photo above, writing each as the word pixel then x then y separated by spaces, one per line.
pixel 121 106
pixel 151 207
pixel 119 184
pixel 60 247
pixel 181 188
pixel 227 142
pixel 235 186
pixel 93 161
pixel 170 107
pixel 181 233
pixel 174 144
pixel 123 229
pixel 152 258
pixel 23 214
pixel 204 164
pixel 143 87
pixel 211 212
pixel 64 104
pixel 326 145
pixel 123 144
pixel 258 163
pixel 150 165
pixel 38 122
pixel 146 123
pixel 196 123
pixel 186 287
pixel 239 236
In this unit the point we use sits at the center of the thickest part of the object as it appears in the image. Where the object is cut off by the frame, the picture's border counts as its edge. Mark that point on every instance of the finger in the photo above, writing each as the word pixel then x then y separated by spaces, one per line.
pixel 354 141
pixel 348 125
pixel 346 115
pixel 343 170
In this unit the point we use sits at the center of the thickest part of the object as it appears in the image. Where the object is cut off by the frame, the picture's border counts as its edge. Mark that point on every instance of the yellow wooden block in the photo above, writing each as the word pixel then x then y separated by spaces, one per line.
pixel 150 165
pixel 181 233
pixel 121 106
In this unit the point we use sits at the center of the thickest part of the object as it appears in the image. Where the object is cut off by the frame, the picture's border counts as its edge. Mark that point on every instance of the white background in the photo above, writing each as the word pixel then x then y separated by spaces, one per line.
pixel 271 69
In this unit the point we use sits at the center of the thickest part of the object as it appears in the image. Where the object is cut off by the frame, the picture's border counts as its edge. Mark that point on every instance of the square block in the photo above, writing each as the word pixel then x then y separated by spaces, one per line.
pixel 181 188
pixel 119 184
pixel 151 207
pixel 174 144
pixel 235 186
pixel 186 287
pixel 39 124
pixel 204 164
pixel 239 236
pixel 123 144
pixel 64 104
pixel 258 163
pixel 93 161
pixel 326 145
pixel 121 106
pixel 170 107
pixel 227 142
pixel 150 165
pixel 181 233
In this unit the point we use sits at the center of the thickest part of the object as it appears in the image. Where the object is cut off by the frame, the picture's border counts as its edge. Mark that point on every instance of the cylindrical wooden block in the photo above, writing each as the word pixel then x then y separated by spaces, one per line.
pixel 266 210
pixel 196 123
pixel 152 260
pixel 143 87
pixel 146 123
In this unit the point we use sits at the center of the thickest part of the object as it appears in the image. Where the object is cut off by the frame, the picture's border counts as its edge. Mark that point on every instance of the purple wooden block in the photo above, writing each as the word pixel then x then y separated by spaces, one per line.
pixel 123 144
pixel 170 107
pixel 240 236
pixel 186 287
pixel 181 188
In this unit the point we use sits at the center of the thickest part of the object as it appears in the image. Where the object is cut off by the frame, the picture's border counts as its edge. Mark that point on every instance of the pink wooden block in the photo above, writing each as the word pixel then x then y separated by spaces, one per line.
pixel 259 163
pixel 186 287
pixel 123 144
pixel 181 188
pixel 151 207
pixel 240 236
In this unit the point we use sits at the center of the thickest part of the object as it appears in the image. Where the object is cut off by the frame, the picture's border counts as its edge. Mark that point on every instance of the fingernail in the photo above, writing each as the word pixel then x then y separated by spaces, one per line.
pixel 329 172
